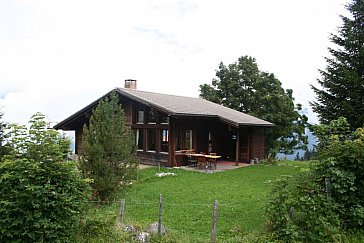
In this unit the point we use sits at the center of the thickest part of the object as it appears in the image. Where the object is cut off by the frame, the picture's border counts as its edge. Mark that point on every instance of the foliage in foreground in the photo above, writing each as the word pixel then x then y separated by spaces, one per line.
pixel 243 87
pixel 109 155
pixel 322 203
pixel 41 197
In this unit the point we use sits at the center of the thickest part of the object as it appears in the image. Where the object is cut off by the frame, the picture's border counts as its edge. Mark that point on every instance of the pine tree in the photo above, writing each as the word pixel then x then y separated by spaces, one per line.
pixel 342 82
pixel 109 156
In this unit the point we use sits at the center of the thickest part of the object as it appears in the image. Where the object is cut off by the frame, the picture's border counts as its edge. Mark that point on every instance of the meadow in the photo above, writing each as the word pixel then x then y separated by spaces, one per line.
pixel 188 199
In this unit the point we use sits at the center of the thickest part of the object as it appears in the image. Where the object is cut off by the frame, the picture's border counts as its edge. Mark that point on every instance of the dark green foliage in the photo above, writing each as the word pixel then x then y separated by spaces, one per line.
pixel 342 82
pixel 109 155
pixel 298 210
pixel 4 148
pixel 328 199
pixel 40 202
pixel 309 154
pixel 342 160
pixel 243 87
pixel 41 197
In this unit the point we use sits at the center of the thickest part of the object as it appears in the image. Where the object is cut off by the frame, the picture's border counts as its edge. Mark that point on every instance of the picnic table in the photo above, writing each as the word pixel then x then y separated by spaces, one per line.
pixel 203 160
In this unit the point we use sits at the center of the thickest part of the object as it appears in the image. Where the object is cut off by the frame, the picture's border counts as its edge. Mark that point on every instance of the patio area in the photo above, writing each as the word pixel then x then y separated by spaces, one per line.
pixel 220 166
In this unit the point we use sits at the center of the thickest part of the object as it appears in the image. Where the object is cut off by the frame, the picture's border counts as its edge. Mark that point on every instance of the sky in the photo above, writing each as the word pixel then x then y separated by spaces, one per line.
pixel 56 57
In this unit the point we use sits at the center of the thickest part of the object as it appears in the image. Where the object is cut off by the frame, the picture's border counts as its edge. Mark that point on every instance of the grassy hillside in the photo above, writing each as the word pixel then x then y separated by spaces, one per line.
pixel 188 201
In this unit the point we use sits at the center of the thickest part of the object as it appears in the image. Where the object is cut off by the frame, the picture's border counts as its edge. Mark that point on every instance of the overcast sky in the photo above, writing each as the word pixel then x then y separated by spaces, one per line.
pixel 58 56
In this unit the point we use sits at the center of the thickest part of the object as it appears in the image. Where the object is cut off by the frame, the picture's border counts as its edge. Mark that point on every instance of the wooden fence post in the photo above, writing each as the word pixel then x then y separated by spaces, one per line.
pixel 291 213
pixel 214 222
pixel 328 188
pixel 160 213
pixel 121 212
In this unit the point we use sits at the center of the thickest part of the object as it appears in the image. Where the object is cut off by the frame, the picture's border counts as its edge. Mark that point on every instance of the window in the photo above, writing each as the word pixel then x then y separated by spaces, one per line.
pixel 178 140
pixel 140 117
pixel 164 141
pixel 163 119
pixel 151 139
pixel 139 139
pixel 152 117
pixel 188 139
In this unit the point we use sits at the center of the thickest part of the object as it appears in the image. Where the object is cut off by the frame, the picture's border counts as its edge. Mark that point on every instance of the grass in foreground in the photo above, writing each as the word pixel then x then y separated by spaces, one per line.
pixel 188 201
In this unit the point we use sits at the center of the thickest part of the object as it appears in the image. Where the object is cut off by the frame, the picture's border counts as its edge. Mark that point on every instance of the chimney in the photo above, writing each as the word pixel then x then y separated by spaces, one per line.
pixel 130 84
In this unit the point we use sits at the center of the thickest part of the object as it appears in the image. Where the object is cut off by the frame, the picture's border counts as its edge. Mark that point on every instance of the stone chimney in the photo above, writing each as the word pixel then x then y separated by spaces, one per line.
pixel 130 84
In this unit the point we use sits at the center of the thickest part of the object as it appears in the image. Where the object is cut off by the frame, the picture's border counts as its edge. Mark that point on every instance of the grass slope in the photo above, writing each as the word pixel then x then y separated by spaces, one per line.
pixel 188 200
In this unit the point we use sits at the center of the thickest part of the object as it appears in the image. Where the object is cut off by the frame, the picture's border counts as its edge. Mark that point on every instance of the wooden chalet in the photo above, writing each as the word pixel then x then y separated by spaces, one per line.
pixel 166 124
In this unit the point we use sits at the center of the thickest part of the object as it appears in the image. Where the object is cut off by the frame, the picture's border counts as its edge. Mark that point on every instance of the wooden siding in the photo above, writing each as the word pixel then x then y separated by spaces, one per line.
pixel 258 144
pixel 128 111
pixel 79 145
pixel 245 138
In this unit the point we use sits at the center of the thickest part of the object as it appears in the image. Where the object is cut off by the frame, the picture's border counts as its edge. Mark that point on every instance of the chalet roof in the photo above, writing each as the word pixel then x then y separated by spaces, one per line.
pixel 178 106
pixel 188 106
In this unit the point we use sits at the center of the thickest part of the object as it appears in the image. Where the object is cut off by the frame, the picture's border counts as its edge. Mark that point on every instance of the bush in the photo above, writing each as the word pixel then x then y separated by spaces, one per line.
pixel 41 196
pixel 299 211
pixel 329 198
pixel 40 202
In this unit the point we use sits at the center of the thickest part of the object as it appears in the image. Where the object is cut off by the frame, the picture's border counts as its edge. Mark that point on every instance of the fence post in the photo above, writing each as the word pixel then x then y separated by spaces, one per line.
pixel 160 214
pixel 214 222
pixel 291 214
pixel 328 188
pixel 121 212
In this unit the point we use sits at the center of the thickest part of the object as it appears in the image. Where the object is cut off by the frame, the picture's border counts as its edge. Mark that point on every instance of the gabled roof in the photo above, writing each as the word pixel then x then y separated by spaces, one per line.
pixel 180 106
pixel 188 106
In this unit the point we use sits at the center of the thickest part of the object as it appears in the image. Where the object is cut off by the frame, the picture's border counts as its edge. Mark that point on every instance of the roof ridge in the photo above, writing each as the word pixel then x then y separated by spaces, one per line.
pixel 150 92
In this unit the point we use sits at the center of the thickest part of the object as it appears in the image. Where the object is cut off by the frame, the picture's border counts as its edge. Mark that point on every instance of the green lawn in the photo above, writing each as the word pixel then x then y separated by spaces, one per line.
pixel 188 201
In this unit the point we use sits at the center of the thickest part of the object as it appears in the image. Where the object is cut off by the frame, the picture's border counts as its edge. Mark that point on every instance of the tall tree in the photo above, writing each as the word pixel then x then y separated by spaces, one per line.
pixel 243 87
pixel 109 150
pixel 342 82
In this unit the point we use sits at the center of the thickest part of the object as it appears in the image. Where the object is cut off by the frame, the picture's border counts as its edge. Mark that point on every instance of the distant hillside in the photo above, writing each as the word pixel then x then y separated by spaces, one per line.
pixel 312 141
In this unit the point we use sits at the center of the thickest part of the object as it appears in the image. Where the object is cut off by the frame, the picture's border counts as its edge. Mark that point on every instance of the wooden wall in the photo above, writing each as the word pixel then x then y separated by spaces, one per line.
pixel 128 111
pixel 245 139
pixel 251 144
pixel 258 143
pixel 79 145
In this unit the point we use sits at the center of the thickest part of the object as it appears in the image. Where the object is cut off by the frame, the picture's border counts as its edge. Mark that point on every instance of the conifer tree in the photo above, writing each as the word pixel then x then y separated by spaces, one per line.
pixel 342 82
pixel 109 156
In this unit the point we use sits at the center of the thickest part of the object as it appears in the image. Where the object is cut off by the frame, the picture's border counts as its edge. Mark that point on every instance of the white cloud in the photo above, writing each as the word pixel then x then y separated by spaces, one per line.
pixel 58 56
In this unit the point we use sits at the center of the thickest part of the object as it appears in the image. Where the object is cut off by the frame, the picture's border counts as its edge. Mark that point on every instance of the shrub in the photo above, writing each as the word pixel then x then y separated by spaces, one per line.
pixel 41 196
pixel 328 199
pixel 40 202
pixel 299 211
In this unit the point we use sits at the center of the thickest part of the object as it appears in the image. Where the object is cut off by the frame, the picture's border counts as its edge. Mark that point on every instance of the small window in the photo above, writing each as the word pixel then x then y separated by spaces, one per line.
pixel 164 119
pixel 164 141
pixel 139 139
pixel 178 140
pixel 188 139
pixel 152 117
pixel 151 139
pixel 140 118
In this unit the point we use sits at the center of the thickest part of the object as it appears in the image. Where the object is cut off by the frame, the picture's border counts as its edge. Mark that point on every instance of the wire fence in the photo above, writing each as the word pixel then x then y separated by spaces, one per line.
pixel 203 219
